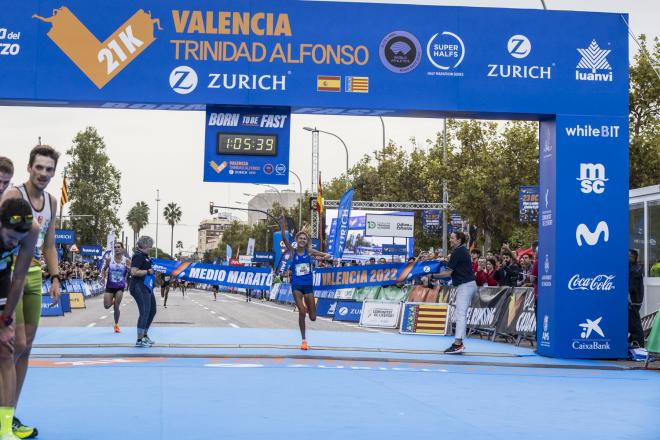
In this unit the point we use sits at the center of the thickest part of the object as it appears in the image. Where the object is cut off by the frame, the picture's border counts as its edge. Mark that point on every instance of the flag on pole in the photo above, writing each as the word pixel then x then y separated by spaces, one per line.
pixel 343 221
pixel 319 209
pixel 64 197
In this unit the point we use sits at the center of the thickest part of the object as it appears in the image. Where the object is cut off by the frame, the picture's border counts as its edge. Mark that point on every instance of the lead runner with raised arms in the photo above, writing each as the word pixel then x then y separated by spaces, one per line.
pixel 302 284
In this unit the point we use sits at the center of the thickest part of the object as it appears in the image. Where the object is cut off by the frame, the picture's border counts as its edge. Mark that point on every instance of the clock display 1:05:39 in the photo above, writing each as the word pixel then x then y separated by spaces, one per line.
pixel 247 144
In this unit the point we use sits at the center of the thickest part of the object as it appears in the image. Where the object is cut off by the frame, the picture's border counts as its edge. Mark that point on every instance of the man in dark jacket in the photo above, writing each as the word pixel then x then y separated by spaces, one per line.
pixel 635 299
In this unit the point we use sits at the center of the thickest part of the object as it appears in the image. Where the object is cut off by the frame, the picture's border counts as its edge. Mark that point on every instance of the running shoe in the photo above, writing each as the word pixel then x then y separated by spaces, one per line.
pixel 140 343
pixel 303 345
pixel 21 431
pixel 455 349
pixel 147 340
pixel 117 330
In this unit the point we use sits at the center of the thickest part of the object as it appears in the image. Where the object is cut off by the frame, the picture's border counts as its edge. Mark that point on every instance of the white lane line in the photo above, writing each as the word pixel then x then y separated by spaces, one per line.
pixel 223 318
pixel 91 325
pixel 233 325
pixel 205 308
pixel 213 312
pixel 103 317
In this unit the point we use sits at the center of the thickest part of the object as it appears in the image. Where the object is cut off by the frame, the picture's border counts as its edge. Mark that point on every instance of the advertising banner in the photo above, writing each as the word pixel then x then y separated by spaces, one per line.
pixel 77 300
pixel 340 233
pixel 528 204
pixel 263 257
pixel 394 249
pixel 432 221
pixel 65 236
pixel 348 311
pixel 486 307
pixel 326 306
pixel 378 225
pixel 380 314
pixel 358 246
pixel 518 316
pixel 93 251
pixel 374 275
pixel 65 300
pixel 250 247
pixel 246 144
pixel 47 309
pixel 233 276
pixel 424 318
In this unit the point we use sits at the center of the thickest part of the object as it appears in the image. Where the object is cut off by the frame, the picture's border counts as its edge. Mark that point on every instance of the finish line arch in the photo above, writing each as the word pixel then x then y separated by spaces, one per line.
pixel 568 70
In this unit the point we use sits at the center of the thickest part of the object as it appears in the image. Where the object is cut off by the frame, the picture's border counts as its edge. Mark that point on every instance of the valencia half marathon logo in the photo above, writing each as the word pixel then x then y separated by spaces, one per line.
pixel 101 61
pixel 593 65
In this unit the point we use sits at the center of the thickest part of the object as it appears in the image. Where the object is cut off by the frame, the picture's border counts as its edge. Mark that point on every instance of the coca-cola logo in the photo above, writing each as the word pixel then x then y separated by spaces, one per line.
pixel 597 283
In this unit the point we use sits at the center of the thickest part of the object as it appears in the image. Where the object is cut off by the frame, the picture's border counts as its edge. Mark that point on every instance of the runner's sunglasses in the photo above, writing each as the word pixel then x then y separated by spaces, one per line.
pixel 18 219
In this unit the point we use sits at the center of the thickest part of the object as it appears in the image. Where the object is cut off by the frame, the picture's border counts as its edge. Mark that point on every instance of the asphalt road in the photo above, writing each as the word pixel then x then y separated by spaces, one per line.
pixel 198 309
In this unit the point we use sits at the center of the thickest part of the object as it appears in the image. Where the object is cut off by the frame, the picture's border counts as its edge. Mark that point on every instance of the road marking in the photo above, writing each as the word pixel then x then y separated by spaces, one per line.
pixel 233 325
pixel 91 325
pixel 103 317
pixel 213 312
pixel 206 308
pixel 224 319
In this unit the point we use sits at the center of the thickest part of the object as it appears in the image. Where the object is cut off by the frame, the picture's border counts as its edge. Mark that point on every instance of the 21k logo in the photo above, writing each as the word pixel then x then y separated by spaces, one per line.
pixel 101 61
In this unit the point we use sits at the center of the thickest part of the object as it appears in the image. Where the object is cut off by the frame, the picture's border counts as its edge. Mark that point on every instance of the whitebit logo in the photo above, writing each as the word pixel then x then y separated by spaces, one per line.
pixel 519 46
pixel 594 59
pixel 591 326
pixel 183 80
pixel 592 178
pixel 582 232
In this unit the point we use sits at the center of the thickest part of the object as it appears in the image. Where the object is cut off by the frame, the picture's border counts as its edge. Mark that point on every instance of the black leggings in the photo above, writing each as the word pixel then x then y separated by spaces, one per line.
pixel 146 302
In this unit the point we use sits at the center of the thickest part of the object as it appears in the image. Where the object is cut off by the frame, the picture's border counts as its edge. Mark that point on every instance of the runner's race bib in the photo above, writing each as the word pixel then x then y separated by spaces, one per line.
pixel 302 269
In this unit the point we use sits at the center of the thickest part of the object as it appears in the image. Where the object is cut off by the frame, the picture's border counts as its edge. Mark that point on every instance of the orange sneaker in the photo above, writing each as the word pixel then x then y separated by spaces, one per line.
pixel 117 328
pixel 303 345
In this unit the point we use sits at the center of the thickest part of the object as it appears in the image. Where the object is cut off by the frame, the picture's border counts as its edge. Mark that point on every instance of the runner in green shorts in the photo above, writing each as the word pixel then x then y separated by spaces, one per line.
pixel 41 169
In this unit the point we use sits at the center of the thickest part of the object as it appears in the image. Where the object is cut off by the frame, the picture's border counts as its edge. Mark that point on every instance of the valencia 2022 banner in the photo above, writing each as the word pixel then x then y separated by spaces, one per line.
pixel 374 275
pixel 233 276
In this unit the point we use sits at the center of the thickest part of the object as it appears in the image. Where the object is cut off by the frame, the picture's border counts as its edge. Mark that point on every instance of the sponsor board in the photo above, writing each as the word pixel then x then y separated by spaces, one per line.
pixel 596 283
pixel 65 236
pixel 584 235
pixel 445 51
pixel 77 300
pixel 593 64
pixel 380 314
pixel 592 337
pixel 48 309
pixel 519 47
pixel 400 52
pixel 94 251
pixel 348 311
pixel 378 225
pixel 592 178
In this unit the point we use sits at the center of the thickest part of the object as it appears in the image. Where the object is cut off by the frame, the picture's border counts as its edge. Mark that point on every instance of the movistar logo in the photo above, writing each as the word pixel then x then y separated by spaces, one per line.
pixel 594 60
pixel 582 232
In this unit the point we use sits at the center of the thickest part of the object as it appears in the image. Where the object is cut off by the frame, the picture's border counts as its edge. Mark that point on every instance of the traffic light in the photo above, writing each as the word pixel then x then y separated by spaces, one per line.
pixel 211 207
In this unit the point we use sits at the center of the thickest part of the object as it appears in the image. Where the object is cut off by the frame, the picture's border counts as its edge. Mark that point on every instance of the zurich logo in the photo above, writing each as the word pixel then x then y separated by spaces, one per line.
pixel 183 80
pixel 582 232
pixel 343 311
pixel 519 46
pixel 427 269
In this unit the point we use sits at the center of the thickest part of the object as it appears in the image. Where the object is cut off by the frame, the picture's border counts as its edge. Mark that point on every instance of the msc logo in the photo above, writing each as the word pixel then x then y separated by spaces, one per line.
pixel 592 238
pixel 519 46
pixel 594 59
pixel 183 80
pixel 592 178
pixel 101 61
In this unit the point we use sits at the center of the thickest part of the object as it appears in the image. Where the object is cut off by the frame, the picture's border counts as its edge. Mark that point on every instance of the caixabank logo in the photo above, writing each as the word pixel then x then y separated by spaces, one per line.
pixel 101 61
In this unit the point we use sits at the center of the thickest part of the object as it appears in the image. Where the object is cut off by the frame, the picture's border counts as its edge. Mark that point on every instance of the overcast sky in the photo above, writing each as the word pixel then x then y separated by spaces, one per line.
pixel 164 149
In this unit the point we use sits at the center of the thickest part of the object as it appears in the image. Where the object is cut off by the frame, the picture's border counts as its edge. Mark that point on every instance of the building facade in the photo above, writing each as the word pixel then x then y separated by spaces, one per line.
pixel 210 231
pixel 266 200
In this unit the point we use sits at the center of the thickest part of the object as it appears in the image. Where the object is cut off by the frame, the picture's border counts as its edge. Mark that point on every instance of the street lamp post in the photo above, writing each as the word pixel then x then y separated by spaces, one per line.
pixel 299 199
pixel 157 214
pixel 383 124
pixel 331 134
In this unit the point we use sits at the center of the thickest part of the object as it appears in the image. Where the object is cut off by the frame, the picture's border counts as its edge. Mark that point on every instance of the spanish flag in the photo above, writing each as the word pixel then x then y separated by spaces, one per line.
pixel 64 197
pixel 326 83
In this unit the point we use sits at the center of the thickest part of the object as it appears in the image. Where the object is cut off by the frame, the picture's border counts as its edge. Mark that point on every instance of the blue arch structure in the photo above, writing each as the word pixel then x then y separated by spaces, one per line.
pixel 568 70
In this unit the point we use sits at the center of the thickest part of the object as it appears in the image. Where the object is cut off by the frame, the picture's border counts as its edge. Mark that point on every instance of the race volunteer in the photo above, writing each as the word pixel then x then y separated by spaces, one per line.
pixel 141 288
pixel 115 272
pixel 459 268
pixel 302 284
pixel 41 169
pixel 18 235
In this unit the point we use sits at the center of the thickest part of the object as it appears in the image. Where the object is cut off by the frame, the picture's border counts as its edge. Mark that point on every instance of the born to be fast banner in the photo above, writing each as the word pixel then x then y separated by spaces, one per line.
pixel 373 275
pixel 233 276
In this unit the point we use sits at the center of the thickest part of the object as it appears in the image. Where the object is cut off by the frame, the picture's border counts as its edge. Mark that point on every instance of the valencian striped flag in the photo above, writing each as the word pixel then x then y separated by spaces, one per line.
pixel 357 84
pixel 425 318
pixel 319 209
pixel 64 197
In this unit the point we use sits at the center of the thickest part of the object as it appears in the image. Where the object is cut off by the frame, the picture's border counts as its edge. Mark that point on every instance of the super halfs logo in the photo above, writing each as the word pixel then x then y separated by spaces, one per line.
pixel 101 61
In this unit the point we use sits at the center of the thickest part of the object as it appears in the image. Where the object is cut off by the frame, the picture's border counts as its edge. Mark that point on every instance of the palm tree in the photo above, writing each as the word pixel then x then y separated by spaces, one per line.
pixel 179 247
pixel 138 218
pixel 172 214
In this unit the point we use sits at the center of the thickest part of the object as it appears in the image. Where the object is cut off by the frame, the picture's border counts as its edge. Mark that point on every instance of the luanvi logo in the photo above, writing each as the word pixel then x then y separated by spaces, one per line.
pixel 101 61
pixel 582 232
pixel 592 63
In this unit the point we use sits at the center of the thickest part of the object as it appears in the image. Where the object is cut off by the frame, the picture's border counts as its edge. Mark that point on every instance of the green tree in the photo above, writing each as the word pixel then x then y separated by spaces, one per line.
pixel 172 214
pixel 138 218
pixel 644 98
pixel 94 188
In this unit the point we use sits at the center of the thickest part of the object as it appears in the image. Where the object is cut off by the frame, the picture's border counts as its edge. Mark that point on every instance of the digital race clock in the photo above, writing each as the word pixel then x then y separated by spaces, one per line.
pixel 247 144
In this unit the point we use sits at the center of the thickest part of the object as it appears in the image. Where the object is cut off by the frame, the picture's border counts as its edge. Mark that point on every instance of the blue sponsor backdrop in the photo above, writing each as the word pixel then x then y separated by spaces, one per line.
pixel 65 236
pixel 264 257
pixel 348 311
pixel 257 278
pixel 322 58
pixel 326 306
pixel 316 56
pixel 394 249
pixel 262 135
pixel 47 309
